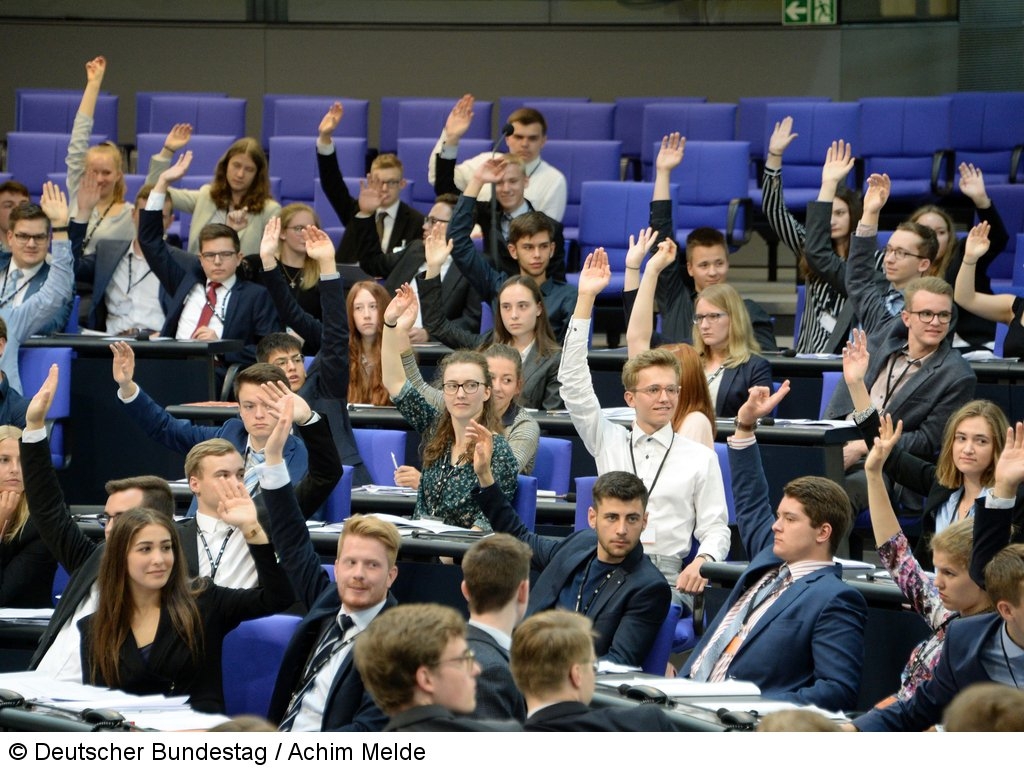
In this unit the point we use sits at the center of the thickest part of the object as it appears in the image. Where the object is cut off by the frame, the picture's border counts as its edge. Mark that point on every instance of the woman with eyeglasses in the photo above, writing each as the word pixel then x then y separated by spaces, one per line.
pixel 238 195
pixel 521 323
pixel 950 593
pixel 100 167
pixel 1000 308
pixel 26 565
pixel 448 479
pixel 724 338
pixel 695 412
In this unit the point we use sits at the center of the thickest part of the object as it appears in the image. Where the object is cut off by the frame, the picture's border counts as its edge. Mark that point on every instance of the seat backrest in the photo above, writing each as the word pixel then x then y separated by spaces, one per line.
pixel 293 160
pixel 415 155
pixel 144 103
pixel 657 658
pixel 579 161
pixel 34 367
pixel 579 120
pixel 554 463
pixel 525 502
pixel 508 105
pixel 338 506
pixel 714 178
pixel 426 118
pixel 376 446
pixel 816 125
pixel 695 121
pixel 722 451
pixel 612 210
pixel 751 121
pixel 251 660
pixel 56 111
pixel 629 119
pixel 1008 199
pixel 986 128
pixel 207 115
pixel 31 156
pixel 206 150
pixel 584 500
pixel 298 115
pixel 900 135
pixel 829 382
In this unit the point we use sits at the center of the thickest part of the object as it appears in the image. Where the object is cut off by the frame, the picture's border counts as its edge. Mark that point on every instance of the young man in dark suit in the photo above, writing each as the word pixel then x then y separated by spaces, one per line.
pixel 602 573
pixel 395 222
pixel 496 585
pixel 554 665
pixel 208 301
pixel 790 625
pixel 419 669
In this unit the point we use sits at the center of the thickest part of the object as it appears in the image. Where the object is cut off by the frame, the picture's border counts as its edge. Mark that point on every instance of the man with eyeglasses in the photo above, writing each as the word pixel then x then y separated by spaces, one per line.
pixel 601 573
pixel 461 302
pixel 416 664
pixel 208 301
pixel 395 224
pixel 908 370
pixel 34 295
pixel 683 477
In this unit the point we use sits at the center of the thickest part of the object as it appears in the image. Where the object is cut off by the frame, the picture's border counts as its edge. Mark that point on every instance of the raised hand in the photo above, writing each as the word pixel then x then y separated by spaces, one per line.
pixel 234 504
pixel 884 443
pixel 1010 466
pixel 595 275
pixel 781 137
pixel 977 243
pixel 760 402
pixel 639 246
pixel 839 161
pixel 176 171
pixel 667 251
pixel 177 138
pixel 397 307
pixel 318 245
pixel 279 398
pixel 270 242
pixel 436 249
pixel 972 184
pixel 88 194
pixel 329 123
pixel 671 152
pixel 95 70
pixel 35 414
pixel 283 410
pixel 369 198
pixel 123 366
pixel 491 171
pixel 877 193
pixel 855 357
pixel 55 204
pixel 482 440
pixel 458 121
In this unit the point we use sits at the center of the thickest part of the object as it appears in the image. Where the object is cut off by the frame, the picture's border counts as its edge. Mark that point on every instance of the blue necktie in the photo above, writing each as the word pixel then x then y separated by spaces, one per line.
pixel 252 473
pixel 330 642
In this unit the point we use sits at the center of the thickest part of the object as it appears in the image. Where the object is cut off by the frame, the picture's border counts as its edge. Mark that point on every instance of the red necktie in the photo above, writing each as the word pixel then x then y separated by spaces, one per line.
pixel 209 307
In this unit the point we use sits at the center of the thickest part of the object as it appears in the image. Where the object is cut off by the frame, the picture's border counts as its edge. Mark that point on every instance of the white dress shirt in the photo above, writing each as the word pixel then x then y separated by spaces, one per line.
pixel 196 301
pixel 236 567
pixel 133 295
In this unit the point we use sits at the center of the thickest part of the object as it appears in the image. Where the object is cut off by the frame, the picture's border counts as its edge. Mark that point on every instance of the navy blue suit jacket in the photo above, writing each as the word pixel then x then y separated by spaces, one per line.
pixel 497 696
pixel 348 706
pixel 808 647
pixel 737 382
pixel 570 716
pixel 250 313
pixel 958 667
pixel 629 609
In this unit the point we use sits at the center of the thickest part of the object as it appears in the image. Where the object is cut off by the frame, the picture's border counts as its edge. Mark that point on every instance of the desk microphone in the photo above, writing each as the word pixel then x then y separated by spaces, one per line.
pixel 9 699
pixel 506 130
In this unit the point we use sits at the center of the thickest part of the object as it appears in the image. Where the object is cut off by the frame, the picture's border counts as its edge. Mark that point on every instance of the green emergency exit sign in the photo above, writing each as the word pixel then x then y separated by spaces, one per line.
pixel 799 12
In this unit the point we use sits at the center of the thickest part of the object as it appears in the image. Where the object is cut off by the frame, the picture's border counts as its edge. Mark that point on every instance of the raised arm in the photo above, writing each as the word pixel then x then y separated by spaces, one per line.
pixel 447 147
pixel 331 181
pixel 773 204
pixel 394 342
pixel 641 319
pixel 883 517
pixel 82 128
pixel 993 307
pixel 435 251
pixel 865 286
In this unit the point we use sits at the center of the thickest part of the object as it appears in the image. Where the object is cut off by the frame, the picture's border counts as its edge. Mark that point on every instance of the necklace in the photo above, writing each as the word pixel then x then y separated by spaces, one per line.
pixel 714 375
pixel 292 279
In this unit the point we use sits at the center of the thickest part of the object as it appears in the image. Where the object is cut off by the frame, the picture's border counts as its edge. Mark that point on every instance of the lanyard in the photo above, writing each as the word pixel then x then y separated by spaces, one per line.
pixel 661 466
pixel 597 590
pixel 215 564
pixel 890 387
pixel 4 301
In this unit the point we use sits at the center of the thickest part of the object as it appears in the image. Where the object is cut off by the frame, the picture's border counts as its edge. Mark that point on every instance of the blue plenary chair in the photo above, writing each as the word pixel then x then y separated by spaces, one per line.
pixel 207 115
pixel 376 446
pixel 426 118
pixel 34 366
pixel 508 105
pixel 629 118
pixel 1008 199
pixel 695 121
pixel 31 156
pixel 579 120
pixel 986 132
pixel 56 111
pixel 712 191
pixel 338 506
pixel 554 462
pixel 415 155
pixel 829 382
pixel 584 500
pixel 251 660
pixel 909 139
pixel 206 150
pixel 293 160
pixel 144 102
pixel 580 161
pixel 657 659
pixel 525 502
pixel 298 115
pixel 751 120
pixel 389 120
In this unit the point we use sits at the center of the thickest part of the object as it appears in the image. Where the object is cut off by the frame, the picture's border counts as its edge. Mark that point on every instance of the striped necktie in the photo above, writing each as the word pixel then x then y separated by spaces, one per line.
pixel 330 642
pixel 253 460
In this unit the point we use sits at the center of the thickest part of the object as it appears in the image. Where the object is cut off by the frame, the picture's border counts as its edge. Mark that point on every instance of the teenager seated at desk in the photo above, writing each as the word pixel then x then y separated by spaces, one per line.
pixel 445 491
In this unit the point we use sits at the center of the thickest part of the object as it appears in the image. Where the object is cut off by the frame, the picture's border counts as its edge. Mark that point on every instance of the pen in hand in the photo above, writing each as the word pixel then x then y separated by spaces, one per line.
pixel 394 461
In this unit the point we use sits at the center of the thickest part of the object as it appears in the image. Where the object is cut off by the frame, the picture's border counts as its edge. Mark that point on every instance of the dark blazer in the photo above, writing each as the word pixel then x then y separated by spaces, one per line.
pixel 497 696
pixel 630 608
pixel 993 530
pixel 250 313
pixel 170 668
pixel 326 386
pixel 808 647
pixel 75 551
pixel 438 719
pixel 12 405
pixel 926 399
pixel 676 295
pixel 26 570
pixel 408 221
pixel 559 298
pixel 182 435
pixel 348 706
pixel 959 666
pixel 444 183
pixel 61 318
pixel 737 382
pixel 461 303
pixel 569 716
pixel 540 373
